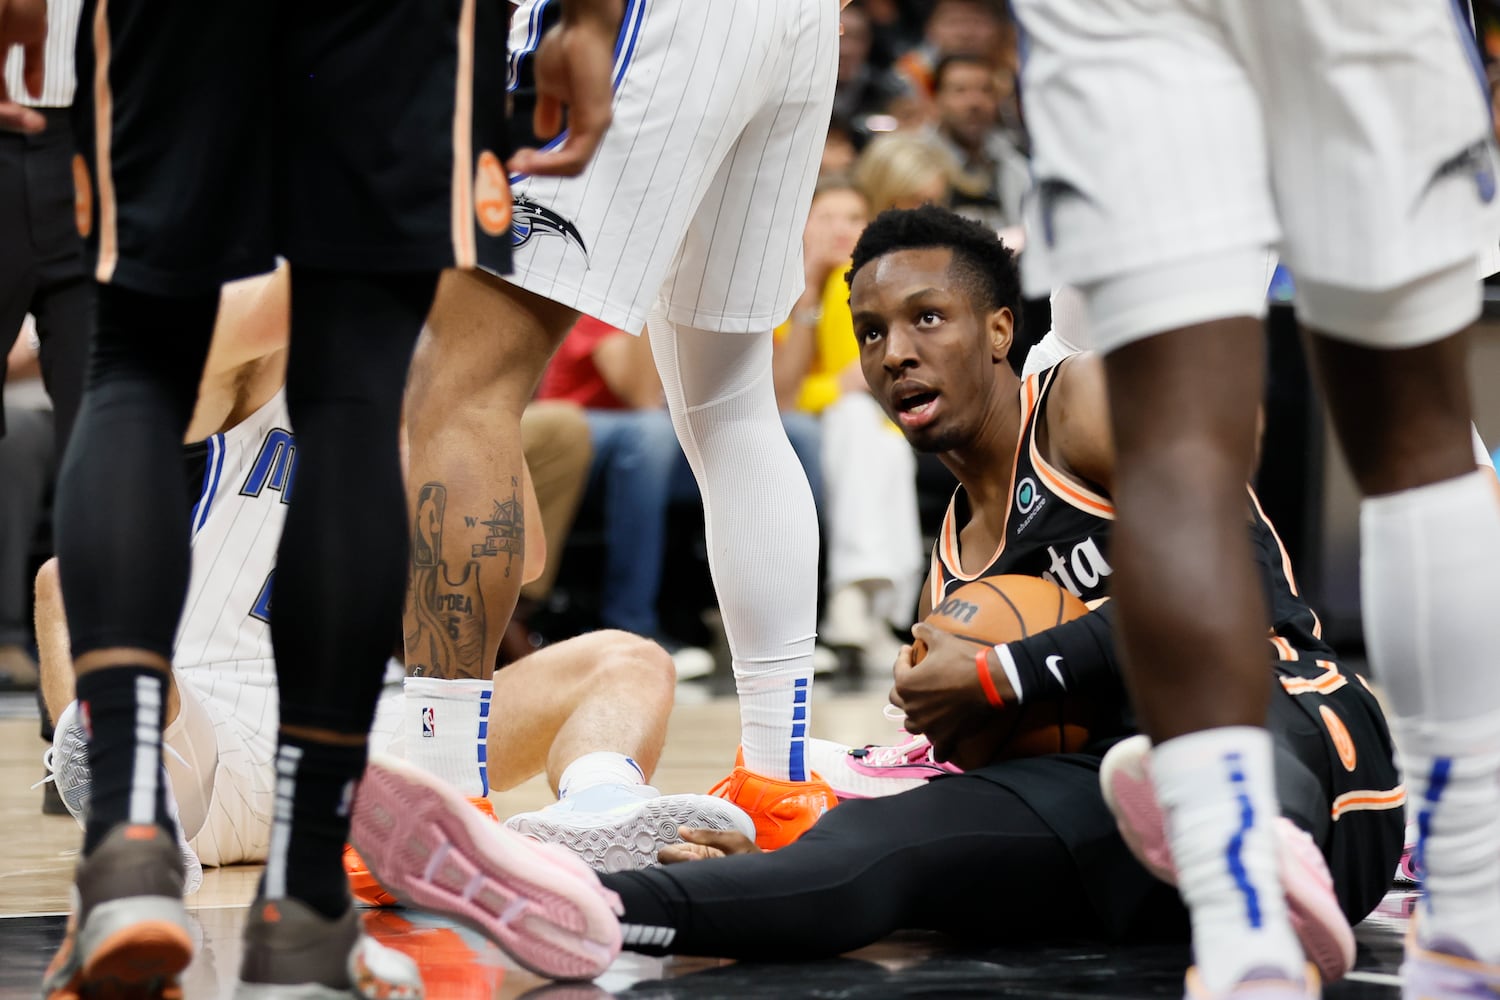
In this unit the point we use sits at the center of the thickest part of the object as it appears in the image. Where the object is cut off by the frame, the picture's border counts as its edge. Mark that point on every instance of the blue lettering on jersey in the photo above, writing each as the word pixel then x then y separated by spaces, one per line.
pixel 274 467
pixel 261 611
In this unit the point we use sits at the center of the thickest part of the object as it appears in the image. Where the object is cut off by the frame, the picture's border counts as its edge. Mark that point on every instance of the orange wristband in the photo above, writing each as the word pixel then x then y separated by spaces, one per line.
pixel 982 661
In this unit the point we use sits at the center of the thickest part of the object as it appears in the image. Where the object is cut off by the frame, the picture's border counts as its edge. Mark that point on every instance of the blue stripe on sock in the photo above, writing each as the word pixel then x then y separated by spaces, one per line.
pixel 1437 784
pixel 483 742
pixel 796 762
pixel 1234 854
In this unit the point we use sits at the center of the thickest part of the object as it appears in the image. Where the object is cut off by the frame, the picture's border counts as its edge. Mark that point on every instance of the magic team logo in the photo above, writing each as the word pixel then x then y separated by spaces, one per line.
pixel 528 219
pixel 429 723
pixel 1475 161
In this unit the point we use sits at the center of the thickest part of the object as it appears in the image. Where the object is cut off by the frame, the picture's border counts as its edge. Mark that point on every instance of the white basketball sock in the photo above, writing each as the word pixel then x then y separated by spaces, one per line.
pixel 447 728
pixel 1218 790
pixel 762 529
pixel 602 767
pixel 1431 575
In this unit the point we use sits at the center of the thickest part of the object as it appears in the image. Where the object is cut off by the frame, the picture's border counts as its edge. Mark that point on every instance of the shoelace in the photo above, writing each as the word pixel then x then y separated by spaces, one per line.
pixel 918 750
pixel 51 774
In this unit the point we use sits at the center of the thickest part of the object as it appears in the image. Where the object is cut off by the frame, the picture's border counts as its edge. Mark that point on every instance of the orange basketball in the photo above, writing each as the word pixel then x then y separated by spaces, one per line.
pixel 999 609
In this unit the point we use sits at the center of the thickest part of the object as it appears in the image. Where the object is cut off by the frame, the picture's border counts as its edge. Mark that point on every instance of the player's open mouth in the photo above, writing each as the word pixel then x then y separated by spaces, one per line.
pixel 917 408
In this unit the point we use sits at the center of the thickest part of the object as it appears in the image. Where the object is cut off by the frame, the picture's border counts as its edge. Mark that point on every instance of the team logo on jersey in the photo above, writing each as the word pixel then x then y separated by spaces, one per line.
pixel 1027 495
pixel 1474 160
pixel 429 722
pixel 1342 741
pixel 491 195
pixel 529 219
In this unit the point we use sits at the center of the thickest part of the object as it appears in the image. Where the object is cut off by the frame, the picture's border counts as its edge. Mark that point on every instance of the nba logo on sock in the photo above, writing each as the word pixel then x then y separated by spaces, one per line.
pixel 429 725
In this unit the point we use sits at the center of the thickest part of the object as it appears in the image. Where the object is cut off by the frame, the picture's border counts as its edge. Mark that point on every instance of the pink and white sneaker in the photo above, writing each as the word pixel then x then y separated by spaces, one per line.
pixel 1408 872
pixel 1265 984
pixel 1326 936
pixel 428 845
pixel 872 772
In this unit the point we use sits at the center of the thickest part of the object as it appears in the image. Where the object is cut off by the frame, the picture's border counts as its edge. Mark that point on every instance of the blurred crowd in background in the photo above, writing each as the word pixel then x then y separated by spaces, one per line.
pixel 927 110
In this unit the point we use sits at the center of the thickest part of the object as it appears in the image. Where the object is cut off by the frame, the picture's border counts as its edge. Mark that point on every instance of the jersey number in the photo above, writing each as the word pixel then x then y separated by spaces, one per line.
pixel 262 607
pixel 274 467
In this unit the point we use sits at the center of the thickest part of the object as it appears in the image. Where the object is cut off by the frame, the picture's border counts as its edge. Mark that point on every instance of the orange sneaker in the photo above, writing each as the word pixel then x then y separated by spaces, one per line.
pixel 782 810
pixel 366 887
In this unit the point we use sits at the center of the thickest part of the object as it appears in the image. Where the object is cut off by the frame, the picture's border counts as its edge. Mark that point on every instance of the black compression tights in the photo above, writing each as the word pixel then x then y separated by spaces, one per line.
pixel 959 855
pixel 123 511
pixel 341 568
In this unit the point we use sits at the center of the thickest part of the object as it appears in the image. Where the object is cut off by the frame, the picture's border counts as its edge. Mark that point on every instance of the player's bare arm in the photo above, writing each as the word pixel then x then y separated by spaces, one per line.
pixel 246 363
pixel 23 23
pixel 574 64
pixel 1079 440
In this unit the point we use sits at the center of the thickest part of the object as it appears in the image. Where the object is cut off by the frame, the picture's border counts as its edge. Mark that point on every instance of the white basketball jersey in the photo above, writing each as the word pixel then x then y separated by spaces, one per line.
pixel 247 483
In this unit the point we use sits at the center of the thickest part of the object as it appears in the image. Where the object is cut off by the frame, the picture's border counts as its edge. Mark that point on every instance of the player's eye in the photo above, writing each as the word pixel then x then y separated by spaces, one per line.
pixel 928 318
pixel 868 334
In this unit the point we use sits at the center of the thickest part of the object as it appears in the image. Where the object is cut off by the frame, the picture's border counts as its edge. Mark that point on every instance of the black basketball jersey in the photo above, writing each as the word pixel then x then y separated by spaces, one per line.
pixel 1058 529
pixel 1054 528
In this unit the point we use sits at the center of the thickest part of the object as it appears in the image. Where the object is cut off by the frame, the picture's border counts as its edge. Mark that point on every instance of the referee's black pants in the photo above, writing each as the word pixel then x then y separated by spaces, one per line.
pixel 43 271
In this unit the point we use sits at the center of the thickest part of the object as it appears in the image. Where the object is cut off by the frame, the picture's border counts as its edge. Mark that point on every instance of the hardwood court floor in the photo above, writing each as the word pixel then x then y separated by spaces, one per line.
pixel 37 853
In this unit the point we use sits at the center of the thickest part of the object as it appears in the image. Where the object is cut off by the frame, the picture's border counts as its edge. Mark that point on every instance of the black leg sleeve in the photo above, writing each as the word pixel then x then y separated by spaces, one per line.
pixel 122 513
pixel 941 857
pixel 341 568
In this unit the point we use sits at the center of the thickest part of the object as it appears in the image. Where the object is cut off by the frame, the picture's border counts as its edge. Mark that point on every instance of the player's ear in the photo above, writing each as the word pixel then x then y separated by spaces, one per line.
pixel 1002 330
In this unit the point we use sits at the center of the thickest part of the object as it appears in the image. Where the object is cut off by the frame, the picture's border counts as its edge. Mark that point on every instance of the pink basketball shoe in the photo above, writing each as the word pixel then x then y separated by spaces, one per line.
pixel 872 772
pixel 1316 916
pixel 430 847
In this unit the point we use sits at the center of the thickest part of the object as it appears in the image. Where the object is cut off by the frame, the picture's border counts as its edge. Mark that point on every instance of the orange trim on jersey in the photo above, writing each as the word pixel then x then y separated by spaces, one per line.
pixel 109 245
pixel 1284 649
pixel 948 538
pixel 1326 683
pixel 1286 561
pixel 465 254
pixel 1074 495
pixel 1366 801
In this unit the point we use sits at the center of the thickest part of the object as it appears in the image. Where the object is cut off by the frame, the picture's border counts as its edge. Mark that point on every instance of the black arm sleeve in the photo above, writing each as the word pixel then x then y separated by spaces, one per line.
pixel 1081 654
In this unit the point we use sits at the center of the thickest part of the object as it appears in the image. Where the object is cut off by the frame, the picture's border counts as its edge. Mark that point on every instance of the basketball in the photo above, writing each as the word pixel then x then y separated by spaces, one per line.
pixel 1001 609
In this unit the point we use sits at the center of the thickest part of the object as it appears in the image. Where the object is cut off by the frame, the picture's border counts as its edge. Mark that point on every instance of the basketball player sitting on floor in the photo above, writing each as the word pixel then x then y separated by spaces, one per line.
pixel 935 300
pixel 590 711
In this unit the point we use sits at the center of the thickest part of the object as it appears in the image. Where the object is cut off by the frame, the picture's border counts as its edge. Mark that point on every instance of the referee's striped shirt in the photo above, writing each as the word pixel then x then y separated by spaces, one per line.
pixel 57 90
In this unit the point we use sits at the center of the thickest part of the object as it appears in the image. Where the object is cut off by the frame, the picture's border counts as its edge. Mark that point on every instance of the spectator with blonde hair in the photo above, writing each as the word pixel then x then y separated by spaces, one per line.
pixel 903 170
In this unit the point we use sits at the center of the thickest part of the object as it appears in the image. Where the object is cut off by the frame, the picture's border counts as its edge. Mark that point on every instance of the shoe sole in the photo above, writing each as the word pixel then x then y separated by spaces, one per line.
pixel 132 949
pixel 1319 923
pixel 434 850
pixel 620 842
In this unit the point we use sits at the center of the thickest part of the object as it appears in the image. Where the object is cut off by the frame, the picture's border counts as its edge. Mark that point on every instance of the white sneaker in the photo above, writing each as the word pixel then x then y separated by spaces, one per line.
pixel 622 827
pixel 693 662
pixel 67 763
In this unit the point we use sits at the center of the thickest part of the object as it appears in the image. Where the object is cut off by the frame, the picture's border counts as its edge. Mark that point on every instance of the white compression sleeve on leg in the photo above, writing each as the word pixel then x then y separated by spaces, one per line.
pixel 762 529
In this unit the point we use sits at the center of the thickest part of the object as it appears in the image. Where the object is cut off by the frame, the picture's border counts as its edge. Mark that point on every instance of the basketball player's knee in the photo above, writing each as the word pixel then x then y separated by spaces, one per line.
pixel 485 337
pixel 625 661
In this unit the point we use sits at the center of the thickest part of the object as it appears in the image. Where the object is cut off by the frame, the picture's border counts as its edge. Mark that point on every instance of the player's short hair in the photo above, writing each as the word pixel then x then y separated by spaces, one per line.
pixel 983 264
pixel 946 64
